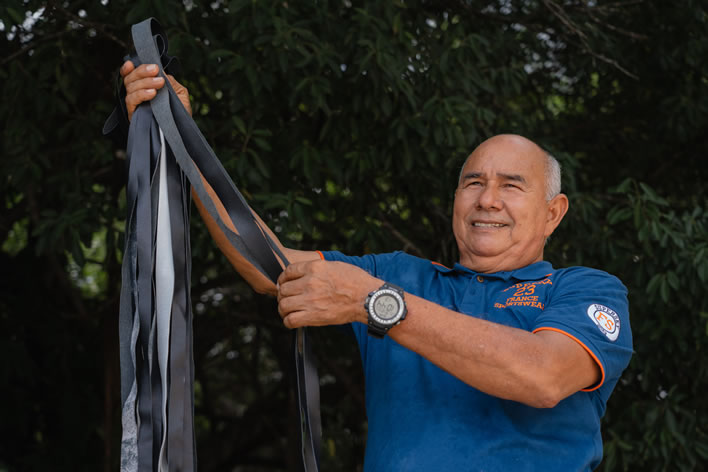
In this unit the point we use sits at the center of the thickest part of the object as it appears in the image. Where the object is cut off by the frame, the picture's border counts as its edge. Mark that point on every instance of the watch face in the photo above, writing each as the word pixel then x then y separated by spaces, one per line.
pixel 386 306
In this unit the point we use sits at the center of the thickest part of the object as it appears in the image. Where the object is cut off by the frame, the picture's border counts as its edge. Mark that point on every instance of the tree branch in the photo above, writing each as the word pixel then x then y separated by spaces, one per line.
pixel 408 245
pixel 559 13
pixel 624 32
pixel 54 6
pixel 100 27
pixel 33 44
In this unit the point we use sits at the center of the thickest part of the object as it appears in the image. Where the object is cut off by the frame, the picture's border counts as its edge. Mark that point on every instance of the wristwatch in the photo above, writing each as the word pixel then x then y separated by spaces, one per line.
pixel 386 308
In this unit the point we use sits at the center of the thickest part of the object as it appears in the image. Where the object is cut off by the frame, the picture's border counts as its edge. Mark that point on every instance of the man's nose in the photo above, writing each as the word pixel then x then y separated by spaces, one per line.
pixel 490 198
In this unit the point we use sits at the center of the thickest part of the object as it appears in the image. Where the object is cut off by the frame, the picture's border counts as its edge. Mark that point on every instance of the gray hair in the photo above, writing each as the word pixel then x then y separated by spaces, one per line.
pixel 552 174
pixel 553 177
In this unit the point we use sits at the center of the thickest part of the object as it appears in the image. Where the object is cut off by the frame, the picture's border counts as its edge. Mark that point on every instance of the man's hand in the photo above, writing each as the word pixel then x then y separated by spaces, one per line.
pixel 321 293
pixel 141 85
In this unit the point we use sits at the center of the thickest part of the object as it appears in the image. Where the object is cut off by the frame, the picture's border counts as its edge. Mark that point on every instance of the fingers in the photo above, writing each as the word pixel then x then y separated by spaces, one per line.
pixel 175 85
pixel 181 92
pixel 295 292
pixel 141 79
pixel 126 68
pixel 131 73
pixel 298 320
pixel 302 318
pixel 136 98
pixel 313 294
pixel 297 270
pixel 288 305
pixel 141 84
pixel 292 310
pixel 292 294
pixel 150 83
pixel 292 288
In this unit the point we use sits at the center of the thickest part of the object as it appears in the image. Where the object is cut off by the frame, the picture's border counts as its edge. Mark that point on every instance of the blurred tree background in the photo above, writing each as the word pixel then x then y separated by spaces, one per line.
pixel 345 123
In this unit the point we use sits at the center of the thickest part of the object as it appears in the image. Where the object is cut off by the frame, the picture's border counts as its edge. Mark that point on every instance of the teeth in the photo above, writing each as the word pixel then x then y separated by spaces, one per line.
pixel 488 225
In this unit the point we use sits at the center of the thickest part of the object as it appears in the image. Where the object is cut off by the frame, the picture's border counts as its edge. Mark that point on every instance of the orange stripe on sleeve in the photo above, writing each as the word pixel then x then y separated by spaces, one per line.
pixel 321 255
pixel 439 264
pixel 592 354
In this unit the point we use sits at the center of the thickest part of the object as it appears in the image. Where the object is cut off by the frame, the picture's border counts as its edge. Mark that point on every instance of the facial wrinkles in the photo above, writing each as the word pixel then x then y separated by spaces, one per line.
pixel 496 194
pixel 500 222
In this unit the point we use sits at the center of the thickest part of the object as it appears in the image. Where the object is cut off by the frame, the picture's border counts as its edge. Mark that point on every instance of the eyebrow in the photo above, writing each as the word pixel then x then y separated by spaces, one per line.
pixel 513 177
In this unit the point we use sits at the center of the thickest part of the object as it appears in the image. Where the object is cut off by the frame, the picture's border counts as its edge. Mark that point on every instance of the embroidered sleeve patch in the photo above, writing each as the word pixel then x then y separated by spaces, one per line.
pixel 606 319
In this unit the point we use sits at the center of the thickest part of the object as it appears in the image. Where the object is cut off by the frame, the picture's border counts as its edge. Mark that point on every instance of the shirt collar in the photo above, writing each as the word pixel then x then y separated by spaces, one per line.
pixel 535 271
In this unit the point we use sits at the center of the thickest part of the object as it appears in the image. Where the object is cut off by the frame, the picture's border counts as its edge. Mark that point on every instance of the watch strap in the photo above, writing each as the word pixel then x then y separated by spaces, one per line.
pixel 392 287
pixel 376 331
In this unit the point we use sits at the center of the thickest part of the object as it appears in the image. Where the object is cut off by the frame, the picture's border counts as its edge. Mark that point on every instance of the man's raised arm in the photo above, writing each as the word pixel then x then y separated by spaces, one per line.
pixel 141 85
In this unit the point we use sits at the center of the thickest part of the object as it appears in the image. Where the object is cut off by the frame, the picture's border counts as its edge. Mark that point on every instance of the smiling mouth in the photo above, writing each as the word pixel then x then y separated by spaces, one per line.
pixel 487 225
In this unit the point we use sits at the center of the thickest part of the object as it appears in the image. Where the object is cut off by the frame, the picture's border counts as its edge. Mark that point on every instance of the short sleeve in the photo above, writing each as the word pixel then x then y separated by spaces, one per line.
pixel 374 264
pixel 591 307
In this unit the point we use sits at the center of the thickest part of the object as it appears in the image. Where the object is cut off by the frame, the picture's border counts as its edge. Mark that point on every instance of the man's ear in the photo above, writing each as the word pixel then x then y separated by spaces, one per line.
pixel 557 208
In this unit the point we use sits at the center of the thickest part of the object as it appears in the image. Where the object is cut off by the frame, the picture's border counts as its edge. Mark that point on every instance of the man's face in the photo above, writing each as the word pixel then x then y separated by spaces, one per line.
pixel 501 218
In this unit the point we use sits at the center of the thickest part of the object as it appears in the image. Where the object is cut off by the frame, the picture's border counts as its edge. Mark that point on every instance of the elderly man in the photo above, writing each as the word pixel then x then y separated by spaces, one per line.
pixel 500 363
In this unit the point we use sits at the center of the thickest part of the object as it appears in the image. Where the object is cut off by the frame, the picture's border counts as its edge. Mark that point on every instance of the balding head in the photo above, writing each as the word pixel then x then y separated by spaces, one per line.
pixel 526 146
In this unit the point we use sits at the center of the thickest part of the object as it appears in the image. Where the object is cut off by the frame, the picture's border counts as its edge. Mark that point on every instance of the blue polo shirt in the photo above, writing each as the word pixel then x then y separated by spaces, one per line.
pixel 422 419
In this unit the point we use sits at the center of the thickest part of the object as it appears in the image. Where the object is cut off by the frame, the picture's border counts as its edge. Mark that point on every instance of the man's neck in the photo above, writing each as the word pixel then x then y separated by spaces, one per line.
pixel 494 265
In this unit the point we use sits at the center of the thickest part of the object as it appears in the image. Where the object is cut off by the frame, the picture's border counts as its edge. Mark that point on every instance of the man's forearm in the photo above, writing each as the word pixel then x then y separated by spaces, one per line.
pixel 257 280
pixel 538 369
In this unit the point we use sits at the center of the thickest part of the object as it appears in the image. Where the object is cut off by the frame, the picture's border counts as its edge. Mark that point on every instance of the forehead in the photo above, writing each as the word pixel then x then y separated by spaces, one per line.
pixel 508 159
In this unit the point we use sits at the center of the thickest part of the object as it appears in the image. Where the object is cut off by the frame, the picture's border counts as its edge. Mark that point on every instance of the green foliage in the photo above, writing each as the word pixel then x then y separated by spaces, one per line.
pixel 345 124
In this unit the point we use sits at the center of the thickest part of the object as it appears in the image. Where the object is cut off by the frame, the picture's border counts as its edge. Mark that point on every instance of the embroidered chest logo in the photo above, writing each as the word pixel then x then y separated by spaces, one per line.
pixel 525 294
pixel 606 319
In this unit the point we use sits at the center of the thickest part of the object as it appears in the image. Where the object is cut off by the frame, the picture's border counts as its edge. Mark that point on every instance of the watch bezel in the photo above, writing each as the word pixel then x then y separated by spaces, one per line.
pixel 401 307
